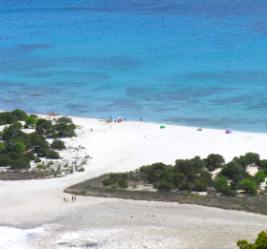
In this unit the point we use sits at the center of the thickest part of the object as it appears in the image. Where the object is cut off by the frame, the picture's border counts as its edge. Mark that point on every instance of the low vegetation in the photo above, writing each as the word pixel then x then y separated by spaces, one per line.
pixel 24 138
pixel 198 175
pixel 260 242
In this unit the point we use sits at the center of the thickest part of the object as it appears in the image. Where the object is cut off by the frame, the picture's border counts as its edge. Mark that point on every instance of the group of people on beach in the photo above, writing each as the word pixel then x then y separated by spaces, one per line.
pixel 227 131
pixel 73 199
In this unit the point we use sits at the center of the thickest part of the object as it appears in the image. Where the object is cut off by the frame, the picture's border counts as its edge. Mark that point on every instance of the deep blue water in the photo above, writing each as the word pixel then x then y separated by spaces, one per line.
pixel 200 63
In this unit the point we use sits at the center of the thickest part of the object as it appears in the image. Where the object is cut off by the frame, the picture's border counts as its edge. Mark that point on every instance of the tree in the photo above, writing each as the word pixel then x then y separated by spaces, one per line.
pixel 179 179
pixel 116 180
pixel 19 115
pixel 249 186
pixel 200 185
pixel 248 158
pixel 44 127
pixel 11 117
pixel 64 130
pixel 234 171
pixel 12 132
pixel 6 118
pixel 19 163
pixel 260 177
pixel 260 243
pixel 20 147
pixel 38 141
pixel 153 173
pixel 65 120
pixel 31 121
pixel 214 161
pixel 221 185
pixel 163 186
pixel 190 168
pixel 123 183
pixel 2 147
pixel 263 165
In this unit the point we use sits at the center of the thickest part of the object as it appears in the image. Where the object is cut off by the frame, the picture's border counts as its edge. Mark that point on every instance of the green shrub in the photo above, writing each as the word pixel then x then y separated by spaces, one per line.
pixel 2 147
pixel 19 163
pixel 260 177
pixel 6 118
pixel 58 145
pixel 179 179
pixel 19 115
pixel 200 185
pixel 249 186
pixel 51 154
pixel 190 168
pixel 221 186
pixel 44 127
pixel 260 243
pixel 65 120
pixel 153 173
pixel 12 132
pixel 116 180
pixel 12 117
pixel 64 127
pixel 263 165
pixel 123 183
pixel 41 166
pixel 163 186
pixel 64 130
pixel 234 171
pixel 248 158
pixel 4 160
pixel 31 121
pixel 214 161
pixel 107 181
pixel 37 141
pixel 20 147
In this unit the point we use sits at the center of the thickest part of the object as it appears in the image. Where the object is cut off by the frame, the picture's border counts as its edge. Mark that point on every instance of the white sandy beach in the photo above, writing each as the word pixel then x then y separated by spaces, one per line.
pixel 111 223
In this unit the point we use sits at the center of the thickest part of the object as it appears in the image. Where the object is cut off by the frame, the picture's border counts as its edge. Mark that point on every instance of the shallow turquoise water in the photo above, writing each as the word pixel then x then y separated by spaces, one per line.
pixel 200 63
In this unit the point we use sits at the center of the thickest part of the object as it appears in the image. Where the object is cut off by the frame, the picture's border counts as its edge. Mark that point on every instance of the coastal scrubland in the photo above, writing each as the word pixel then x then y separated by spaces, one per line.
pixel 30 145
pixel 260 242
pixel 198 175
pixel 239 184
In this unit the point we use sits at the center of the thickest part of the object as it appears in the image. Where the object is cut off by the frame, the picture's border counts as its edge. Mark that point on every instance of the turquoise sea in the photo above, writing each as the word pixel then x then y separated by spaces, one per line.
pixel 199 63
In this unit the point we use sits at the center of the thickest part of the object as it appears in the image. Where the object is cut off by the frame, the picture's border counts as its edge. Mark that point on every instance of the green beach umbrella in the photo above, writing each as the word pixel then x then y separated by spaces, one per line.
pixel 162 126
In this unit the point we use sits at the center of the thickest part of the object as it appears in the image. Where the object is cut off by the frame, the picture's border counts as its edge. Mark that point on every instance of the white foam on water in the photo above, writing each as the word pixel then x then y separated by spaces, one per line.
pixel 93 238
pixel 115 238
pixel 16 238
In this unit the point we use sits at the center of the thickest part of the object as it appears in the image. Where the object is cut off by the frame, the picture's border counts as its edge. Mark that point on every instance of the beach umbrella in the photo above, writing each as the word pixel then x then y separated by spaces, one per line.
pixel 162 126
pixel 228 131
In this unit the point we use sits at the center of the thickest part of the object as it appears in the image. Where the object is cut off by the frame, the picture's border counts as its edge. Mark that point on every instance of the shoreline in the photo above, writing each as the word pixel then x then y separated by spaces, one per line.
pixel 155 122
pixel 158 122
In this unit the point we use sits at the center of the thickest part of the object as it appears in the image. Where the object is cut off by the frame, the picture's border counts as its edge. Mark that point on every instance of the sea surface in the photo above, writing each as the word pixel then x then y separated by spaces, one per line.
pixel 198 63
